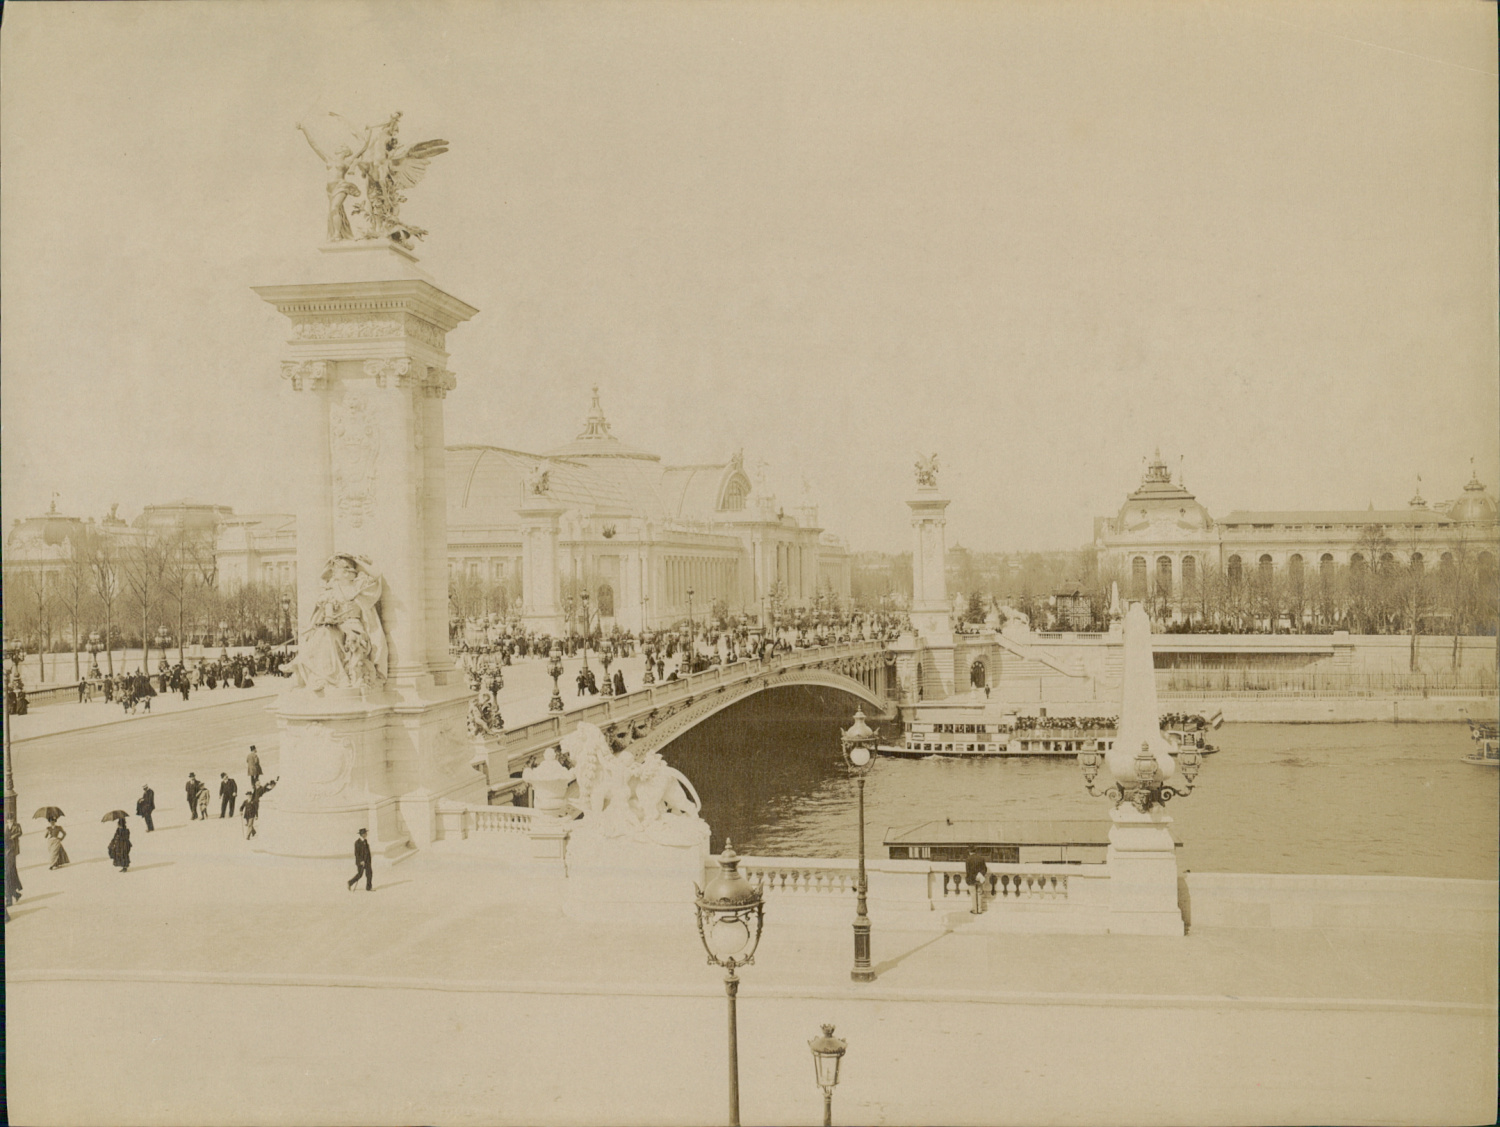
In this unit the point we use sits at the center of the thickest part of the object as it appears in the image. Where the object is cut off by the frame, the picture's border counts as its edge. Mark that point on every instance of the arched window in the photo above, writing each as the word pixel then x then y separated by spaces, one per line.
pixel 1417 563
pixel 1294 571
pixel 1266 568
pixel 976 674
pixel 1236 571
pixel 1357 563
pixel 1189 571
pixel 734 495
pixel 1138 577
pixel 606 601
pixel 1387 561
pixel 1445 565
pixel 1325 566
pixel 1164 576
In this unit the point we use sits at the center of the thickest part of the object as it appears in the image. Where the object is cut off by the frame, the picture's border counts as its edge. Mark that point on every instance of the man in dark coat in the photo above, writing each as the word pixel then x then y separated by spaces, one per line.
pixel 192 795
pixel 361 863
pixel 977 876
pixel 12 873
pixel 145 804
pixel 252 767
pixel 227 790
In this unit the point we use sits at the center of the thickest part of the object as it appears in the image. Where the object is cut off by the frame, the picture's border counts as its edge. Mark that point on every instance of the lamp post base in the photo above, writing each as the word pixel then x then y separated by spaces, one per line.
pixel 863 971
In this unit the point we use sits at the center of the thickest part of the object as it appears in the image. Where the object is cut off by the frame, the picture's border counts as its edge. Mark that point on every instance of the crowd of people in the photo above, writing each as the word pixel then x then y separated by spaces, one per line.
pixel 134 691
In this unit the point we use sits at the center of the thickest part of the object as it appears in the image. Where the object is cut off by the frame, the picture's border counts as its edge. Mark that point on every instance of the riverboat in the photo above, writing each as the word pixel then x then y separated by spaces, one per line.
pixel 1486 739
pixel 991 740
pixel 1004 842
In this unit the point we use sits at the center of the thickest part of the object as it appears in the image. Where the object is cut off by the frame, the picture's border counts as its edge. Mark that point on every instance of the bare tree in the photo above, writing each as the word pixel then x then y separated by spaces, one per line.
pixel 103 563
pixel 144 567
pixel 76 584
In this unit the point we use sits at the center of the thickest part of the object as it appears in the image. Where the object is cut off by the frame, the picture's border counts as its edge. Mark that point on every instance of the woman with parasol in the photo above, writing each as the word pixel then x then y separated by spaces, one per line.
pixel 119 845
pixel 54 835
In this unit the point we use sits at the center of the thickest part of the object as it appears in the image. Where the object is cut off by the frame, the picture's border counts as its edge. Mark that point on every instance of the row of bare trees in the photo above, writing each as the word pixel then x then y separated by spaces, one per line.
pixel 125 591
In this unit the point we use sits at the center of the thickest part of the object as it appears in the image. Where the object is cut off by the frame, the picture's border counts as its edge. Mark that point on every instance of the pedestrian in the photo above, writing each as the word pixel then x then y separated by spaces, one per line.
pixel 252 767
pixel 203 802
pixel 55 850
pixel 119 846
pixel 361 863
pixel 227 789
pixel 250 810
pixel 12 873
pixel 145 804
pixel 192 795
pixel 977 876
pixel 619 682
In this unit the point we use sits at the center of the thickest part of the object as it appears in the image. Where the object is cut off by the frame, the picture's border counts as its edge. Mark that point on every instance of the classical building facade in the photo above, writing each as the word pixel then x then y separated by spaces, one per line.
pixel 1163 539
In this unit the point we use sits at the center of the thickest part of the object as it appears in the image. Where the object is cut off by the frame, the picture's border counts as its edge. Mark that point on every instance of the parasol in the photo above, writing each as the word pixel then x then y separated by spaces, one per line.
pixel 49 812
pixel 114 816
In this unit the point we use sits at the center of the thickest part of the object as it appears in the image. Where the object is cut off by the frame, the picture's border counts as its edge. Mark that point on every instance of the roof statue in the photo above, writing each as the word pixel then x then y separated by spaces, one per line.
pixel 538 481
pixel 374 169
pixel 927 471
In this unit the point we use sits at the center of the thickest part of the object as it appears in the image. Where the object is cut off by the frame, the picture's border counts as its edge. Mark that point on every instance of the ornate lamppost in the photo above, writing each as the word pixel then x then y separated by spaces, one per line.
pixel 648 649
pixel 94 646
pixel 607 655
pixel 692 635
pixel 554 670
pixel 1146 789
pixel 584 599
pixel 731 913
pixel 828 1052
pixel 857 744
pixel 223 639
pixel 286 615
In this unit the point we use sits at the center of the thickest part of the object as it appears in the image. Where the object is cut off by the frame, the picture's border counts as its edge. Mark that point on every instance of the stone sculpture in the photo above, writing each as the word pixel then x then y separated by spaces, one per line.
pixel 538 481
pixel 386 167
pixel 927 471
pixel 622 795
pixel 344 645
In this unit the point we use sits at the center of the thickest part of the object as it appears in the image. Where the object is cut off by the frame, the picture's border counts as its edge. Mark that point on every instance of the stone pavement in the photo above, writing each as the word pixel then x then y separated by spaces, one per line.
pixel 213 984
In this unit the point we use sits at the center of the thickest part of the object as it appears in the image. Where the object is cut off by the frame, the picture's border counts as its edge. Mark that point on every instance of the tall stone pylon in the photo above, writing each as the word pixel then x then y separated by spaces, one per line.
pixel 372 729
pixel 930 609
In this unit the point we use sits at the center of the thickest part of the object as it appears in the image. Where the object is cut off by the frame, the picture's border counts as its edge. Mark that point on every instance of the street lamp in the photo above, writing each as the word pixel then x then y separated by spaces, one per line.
pixel 857 744
pixel 692 634
pixel 1146 789
pixel 827 1051
pixel 585 598
pixel 731 913
pixel 163 640
pixel 648 649
pixel 94 646
pixel 607 655
pixel 286 615
pixel 223 639
pixel 554 670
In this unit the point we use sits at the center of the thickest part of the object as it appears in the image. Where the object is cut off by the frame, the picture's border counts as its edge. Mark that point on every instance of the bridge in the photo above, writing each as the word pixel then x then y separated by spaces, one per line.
pixel 654 715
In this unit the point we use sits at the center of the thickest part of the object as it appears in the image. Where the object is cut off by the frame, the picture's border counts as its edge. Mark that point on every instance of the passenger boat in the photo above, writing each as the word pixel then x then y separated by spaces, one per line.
pixel 1486 739
pixel 992 740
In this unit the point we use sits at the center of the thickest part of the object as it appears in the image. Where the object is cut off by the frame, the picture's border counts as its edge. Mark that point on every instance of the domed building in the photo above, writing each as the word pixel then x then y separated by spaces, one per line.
pixel 1162 540
pixel 636 534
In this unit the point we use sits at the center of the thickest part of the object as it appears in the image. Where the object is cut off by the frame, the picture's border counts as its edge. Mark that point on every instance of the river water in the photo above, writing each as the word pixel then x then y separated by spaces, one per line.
pixel 1353 799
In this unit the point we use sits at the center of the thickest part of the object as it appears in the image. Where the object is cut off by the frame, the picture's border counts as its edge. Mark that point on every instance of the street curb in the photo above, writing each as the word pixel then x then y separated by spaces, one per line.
pixel 849 993
pixel 126 719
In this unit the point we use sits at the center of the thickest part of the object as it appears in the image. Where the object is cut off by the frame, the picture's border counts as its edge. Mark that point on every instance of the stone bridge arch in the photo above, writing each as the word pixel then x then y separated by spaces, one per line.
pixel 661 726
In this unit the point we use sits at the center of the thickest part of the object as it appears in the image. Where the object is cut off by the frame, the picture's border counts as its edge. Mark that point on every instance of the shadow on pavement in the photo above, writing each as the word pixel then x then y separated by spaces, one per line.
pixel 892 964
pixel 153 865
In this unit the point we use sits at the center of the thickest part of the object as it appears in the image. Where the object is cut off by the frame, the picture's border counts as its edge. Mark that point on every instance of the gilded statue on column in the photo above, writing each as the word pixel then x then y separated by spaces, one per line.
pixel 368 172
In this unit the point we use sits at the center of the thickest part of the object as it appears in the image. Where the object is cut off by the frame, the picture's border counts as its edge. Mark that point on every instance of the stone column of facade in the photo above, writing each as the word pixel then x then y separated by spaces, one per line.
pixel 366 368
pixel 930 607
pixel 541 583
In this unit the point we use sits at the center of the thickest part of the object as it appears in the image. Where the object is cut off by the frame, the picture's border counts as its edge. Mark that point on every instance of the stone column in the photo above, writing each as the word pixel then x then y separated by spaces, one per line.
pixel 367 366
pixel 930 608
pixel 541 583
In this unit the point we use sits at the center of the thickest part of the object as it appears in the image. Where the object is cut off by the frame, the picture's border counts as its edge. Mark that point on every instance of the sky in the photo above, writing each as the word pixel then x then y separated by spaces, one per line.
pixel 1040 240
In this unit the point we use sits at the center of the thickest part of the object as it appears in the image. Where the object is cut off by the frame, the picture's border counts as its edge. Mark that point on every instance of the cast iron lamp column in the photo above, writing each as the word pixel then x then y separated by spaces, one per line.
pixel 857 744
pixel 827 1052
pixel 730 915
pixel 554 670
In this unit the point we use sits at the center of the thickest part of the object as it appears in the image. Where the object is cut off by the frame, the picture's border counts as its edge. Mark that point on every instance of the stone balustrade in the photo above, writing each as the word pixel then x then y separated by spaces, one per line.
pixel 459 821
pixel 1006 885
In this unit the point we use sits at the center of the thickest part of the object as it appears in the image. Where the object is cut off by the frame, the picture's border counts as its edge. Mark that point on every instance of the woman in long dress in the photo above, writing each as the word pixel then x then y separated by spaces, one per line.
pixel 119 846
pixel 55 835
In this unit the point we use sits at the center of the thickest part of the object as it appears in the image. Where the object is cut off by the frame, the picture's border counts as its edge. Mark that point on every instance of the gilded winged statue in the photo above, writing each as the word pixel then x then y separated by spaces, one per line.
pixel 376 156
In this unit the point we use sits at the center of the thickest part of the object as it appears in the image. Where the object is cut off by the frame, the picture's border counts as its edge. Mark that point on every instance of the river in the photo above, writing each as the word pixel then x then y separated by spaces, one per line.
pixel 1352 799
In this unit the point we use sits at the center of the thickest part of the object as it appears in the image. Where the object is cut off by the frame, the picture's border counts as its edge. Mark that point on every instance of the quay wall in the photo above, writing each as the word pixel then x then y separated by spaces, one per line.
pixel 1259 900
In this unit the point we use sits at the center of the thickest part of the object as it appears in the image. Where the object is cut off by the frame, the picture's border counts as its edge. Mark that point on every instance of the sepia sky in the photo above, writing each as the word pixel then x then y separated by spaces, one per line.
pixel 1039 239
